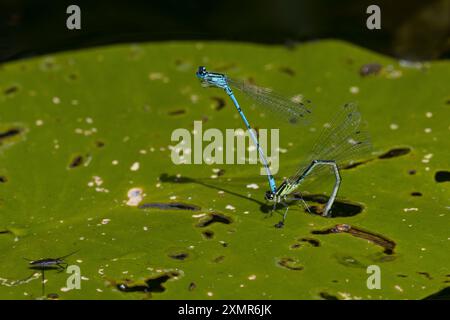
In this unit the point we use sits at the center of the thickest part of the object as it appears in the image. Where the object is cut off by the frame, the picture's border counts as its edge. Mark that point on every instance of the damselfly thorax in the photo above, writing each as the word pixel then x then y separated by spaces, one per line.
pixel 281 192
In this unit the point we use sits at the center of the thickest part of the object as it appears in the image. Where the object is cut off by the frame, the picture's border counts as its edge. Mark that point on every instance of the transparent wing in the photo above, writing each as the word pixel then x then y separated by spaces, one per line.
pixel 294 111
pixel 343 140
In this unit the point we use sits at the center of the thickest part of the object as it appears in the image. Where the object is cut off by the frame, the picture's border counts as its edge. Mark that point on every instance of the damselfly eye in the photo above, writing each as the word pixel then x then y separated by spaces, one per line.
pixel 269 195
pixel 201 70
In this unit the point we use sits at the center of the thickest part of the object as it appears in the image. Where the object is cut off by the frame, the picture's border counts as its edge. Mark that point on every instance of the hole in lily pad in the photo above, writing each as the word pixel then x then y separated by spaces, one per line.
pixel 72 76
pixel 179 255
pixel 150 285
pixel 169 206
pixel 219 103
pixel 10 90
pixel 214 218
pixel 174 179
pixel 290 263
pixel 218 259
pixel 338 209
pixel 385 256
pixel 311 241
pixel 353 165
pixel 442 176
pixel 53 296
pixel 426 275
pixel 9 133
pixel 208 234
pixel 99 144
pixel 287 70
pixel 396 152
pixel 416 194
pixel 327 296
pixel 177 112
pixel 3 179
pixel 387 244
pixel 76 162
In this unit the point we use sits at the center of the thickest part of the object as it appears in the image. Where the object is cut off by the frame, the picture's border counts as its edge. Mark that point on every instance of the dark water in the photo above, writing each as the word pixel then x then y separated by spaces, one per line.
pixel 413 29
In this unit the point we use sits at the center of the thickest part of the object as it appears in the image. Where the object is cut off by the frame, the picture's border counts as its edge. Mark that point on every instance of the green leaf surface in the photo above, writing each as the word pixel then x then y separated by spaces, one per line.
pixel 79 130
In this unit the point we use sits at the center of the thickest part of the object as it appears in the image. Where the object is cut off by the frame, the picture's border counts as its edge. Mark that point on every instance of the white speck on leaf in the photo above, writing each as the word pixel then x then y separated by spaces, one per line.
pixel 354 90
pixel 134 196
pixel 135 166
pixel 393 126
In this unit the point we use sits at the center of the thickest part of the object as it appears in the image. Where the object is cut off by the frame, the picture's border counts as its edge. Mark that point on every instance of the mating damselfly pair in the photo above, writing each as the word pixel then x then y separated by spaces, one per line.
pixel 341 142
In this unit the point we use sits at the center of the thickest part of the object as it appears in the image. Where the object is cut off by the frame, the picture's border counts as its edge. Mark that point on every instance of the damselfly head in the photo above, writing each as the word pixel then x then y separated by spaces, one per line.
pixel 201 72
pixel 269 195
pixel 211 79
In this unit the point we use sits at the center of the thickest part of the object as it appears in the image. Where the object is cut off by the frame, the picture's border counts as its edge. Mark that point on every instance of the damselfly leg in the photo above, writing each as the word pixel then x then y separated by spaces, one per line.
pixel 285 203
pixel 280 224
pixel 303 202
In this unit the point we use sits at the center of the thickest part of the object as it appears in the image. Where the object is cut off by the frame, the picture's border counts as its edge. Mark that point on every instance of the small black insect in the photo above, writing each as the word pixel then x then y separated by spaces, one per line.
pixel 50 263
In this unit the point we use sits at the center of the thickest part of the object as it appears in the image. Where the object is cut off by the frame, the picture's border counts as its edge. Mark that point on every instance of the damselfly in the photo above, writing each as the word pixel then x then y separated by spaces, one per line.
pixel 341 142
pixel 293 112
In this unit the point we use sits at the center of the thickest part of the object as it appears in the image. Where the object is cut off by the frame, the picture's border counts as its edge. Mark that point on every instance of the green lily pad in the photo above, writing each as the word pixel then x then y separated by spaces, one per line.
pixel 85 153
